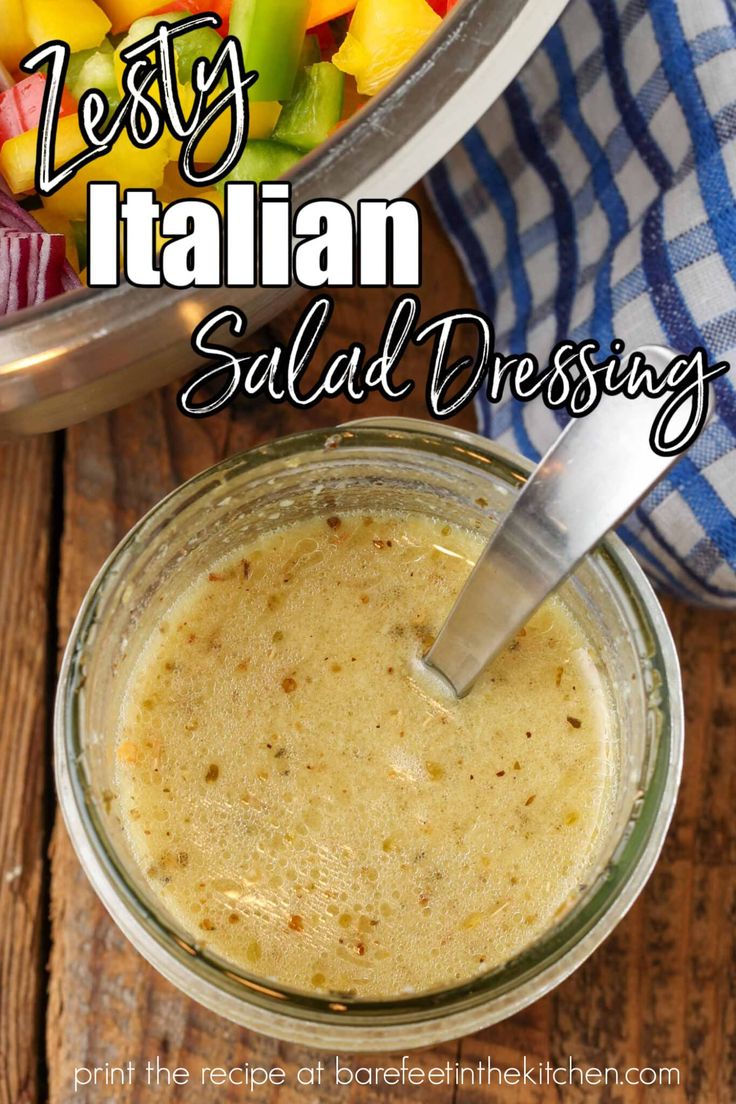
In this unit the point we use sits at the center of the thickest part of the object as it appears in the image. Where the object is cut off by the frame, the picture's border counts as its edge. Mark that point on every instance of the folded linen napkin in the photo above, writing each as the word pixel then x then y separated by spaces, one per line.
pixel 596 199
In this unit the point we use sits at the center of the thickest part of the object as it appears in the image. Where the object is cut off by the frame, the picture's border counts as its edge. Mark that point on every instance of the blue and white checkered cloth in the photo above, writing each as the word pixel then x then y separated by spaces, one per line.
pixel 597 199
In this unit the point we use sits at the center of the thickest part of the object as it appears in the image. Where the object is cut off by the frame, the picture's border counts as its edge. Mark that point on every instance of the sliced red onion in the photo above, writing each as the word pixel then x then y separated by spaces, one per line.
pixel 31 268
pixel 15 217
pixel 33 264
pixel 53 273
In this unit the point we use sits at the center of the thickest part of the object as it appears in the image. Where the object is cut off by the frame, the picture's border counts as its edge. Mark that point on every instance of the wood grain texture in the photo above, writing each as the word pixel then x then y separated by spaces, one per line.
pixel 25 510
pixel 660 991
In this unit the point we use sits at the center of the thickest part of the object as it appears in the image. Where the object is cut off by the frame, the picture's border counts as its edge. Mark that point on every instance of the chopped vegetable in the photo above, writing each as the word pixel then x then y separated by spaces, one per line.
pixel 20 106
pixel 442 7
pixel 125 163
pixel 81 23
pixel 124 12
pixel 33 264
pixel 265 160
pixel 78 60
pixel 212 145
pixel 316 62
pixel 58 224
pixel 191 7
pixel 314 110
pixel 94 69
pixel 202 42
pixel 174 188
pixel 272 36
pixel 30 268
pixel 383 36
pixel 18 155
pixel 15 41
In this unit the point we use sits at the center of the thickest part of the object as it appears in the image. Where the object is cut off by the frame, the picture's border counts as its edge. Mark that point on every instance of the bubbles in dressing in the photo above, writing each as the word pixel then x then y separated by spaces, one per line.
pixel 311 806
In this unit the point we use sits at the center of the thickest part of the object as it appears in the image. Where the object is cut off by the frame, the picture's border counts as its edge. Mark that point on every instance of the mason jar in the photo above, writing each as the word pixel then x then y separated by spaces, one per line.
pixel 390 466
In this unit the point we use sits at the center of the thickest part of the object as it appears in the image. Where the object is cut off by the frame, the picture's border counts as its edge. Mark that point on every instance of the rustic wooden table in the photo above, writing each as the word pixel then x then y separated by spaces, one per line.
pixel 74 993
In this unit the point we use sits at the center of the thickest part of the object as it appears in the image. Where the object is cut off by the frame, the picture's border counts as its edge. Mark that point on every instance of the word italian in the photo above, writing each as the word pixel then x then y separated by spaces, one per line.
pixel 257 239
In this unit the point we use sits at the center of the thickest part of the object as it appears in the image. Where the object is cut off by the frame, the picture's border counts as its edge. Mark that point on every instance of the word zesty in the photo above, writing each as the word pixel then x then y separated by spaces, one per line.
pixel 150 104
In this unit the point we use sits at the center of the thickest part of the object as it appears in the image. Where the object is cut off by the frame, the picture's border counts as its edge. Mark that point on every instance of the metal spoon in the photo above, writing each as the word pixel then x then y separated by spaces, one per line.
pixel 595 473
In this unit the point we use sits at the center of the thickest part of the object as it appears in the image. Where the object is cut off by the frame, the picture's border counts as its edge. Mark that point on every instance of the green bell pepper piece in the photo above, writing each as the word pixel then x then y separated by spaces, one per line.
pixel 264 160
pixel 315 109
pixel 78 60
pixel 271 33
pixel 98 71
pixel 202 42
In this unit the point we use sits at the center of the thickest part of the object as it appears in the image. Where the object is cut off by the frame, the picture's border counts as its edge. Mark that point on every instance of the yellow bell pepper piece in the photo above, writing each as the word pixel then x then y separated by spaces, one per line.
pixel 15 42
pixel 81 23
pixel 18 155
pixel 128 166
pixel 383 36
pixel 263 118
pixel 174 188
pixel 124 12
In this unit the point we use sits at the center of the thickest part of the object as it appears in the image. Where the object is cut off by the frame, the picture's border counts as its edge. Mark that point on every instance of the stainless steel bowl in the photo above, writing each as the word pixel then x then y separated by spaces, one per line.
pixel 90 351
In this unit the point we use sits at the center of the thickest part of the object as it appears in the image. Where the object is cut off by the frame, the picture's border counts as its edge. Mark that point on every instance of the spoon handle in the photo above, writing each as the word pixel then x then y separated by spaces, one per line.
pixel 591 478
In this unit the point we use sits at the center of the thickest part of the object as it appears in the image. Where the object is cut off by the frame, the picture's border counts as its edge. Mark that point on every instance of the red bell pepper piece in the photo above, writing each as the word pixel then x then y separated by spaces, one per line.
pixel 326 38
pixel 219 7
pixel 20 106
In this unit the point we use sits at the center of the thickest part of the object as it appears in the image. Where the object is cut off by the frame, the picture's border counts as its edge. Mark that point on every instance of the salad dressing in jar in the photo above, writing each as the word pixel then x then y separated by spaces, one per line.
pixel 311 806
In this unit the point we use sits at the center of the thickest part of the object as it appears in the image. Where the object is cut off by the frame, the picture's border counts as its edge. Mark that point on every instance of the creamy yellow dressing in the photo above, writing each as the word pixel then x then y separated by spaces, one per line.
pixel 310 805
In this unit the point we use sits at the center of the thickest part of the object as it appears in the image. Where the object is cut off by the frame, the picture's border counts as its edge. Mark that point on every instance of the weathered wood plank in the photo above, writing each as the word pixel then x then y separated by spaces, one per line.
pixel 25 510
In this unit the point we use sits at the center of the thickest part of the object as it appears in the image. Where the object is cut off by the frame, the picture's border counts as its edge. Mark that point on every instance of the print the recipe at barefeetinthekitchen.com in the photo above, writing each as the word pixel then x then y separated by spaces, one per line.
pixel 406 1071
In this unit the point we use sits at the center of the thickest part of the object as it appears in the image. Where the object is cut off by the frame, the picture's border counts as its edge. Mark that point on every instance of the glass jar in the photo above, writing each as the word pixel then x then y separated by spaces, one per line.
pixel 390 465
